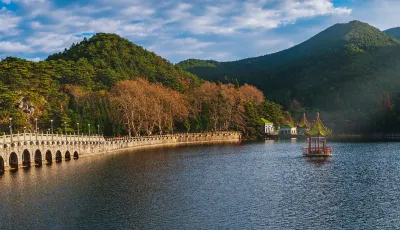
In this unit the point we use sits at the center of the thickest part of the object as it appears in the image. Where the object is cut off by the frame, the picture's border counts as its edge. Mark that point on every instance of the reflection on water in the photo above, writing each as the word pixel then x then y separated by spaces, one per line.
pixel 254 185
pixel 318 161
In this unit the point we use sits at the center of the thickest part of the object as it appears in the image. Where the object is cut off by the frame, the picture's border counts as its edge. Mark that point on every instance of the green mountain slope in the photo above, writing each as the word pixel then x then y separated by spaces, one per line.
pixel 395 32
pixel 107 58
pixel 341 70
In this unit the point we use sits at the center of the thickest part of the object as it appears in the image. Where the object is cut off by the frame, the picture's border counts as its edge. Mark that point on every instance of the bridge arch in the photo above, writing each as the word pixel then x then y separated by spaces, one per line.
pixel 76 155
pixel 49 157
pixel 26 158
pixel 67 156
pixel 13 161
pixel 1 165
pixel 58 156
pixel 38 158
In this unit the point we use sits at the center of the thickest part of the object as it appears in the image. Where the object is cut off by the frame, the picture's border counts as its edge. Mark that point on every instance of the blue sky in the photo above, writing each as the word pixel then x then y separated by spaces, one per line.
pixel 222 30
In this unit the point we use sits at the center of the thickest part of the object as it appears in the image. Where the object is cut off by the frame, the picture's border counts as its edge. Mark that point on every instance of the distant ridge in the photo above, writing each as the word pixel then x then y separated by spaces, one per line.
pixel 395 32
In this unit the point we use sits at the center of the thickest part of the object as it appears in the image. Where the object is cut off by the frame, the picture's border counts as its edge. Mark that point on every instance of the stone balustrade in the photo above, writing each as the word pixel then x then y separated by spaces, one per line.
pixel 23 137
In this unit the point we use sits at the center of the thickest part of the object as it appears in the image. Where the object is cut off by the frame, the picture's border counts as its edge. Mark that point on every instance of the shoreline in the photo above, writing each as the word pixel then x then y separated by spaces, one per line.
pixel 389 137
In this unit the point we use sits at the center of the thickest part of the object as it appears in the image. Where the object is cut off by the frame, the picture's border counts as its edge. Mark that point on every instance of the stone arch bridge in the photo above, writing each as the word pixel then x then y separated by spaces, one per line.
pixel 28 149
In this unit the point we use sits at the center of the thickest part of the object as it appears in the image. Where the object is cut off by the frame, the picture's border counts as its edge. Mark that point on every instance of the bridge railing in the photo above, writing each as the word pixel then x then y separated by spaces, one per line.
pixel 222 133
pixel 24 137
pixel 27 137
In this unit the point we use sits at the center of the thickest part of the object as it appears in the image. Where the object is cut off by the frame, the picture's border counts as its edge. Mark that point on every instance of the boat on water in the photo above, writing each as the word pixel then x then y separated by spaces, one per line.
pixel 317 135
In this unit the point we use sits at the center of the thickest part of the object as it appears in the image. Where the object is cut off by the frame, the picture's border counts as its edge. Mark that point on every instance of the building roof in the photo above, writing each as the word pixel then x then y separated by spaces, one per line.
pixel 287 127
pixel 318 129
pixel 265 121
pixel 304 123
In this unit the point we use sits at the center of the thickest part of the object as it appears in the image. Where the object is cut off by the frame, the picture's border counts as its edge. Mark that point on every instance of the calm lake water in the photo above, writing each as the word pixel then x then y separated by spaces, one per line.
pixel 266 185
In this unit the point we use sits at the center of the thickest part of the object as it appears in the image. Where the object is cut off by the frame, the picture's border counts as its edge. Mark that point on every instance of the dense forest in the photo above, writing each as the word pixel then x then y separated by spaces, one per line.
pixel 105 59
pixel 349 72
pixel 120 88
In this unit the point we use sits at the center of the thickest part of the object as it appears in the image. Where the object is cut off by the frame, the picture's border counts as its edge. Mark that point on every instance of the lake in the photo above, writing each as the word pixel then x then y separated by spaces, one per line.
pixel 255 185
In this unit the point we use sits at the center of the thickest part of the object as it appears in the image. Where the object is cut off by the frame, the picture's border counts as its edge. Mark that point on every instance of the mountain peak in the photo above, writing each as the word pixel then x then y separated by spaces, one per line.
pixel 357 22
pixel 112 58
pixel 355 33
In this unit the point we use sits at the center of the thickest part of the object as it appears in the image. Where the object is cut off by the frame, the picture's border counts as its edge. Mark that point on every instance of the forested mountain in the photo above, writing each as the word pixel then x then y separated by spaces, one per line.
pixel 395 32
pixel 351 71
pixel 105 59
pixel 114 85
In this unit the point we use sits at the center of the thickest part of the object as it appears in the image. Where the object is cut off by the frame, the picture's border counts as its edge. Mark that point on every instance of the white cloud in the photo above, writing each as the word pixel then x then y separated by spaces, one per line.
pixel 138 11
pixel 255 15
pixel 35 59
pixel 9 22
pixel 36 25
pixel 249 15
pixel 210 22
pixel 49 42
pixel 142 30
pixel 25 2
pixel 11 47
pixel 179 12
pixel 104 25
pixel 183 47
pixel 174 44
pixel 309 8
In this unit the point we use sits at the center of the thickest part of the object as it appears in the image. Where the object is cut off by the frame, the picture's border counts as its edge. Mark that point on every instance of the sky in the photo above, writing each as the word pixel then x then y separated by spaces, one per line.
pixel 222 30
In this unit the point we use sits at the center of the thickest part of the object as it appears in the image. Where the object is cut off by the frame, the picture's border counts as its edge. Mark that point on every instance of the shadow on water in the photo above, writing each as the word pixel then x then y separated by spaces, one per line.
pixel 13 170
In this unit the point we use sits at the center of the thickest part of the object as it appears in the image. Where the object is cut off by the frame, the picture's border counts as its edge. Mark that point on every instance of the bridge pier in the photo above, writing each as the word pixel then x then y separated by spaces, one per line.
pixel 2 165
pixel 38 158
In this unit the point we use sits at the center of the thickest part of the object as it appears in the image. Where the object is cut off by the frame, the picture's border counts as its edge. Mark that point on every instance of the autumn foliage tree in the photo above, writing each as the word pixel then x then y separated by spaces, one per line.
pixel 144 107
pixel 221 107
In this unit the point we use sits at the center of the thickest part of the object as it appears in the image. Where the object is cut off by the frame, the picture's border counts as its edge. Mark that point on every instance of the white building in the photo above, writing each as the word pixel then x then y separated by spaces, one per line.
pixel 288 130
pixel 268 126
